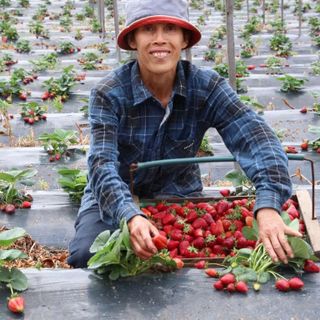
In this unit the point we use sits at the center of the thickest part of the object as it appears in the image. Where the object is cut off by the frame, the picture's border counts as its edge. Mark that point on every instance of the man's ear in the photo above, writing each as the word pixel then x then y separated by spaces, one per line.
pixel 186 38
pixel 131 40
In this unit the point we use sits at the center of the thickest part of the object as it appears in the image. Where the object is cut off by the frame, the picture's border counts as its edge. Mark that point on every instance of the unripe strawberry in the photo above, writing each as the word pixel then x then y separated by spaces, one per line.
pixel 296 283
pixel 282 285
pixel 178 262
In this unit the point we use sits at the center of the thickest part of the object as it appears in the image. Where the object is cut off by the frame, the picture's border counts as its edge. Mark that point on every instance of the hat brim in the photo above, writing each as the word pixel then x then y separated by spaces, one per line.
pixel 194 32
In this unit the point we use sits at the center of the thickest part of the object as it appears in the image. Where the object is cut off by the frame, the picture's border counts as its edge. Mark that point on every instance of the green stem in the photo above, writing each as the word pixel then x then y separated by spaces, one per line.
pixel 11 289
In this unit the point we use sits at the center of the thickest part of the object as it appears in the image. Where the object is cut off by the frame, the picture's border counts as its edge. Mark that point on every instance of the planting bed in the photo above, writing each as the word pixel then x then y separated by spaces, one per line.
pixel 187 293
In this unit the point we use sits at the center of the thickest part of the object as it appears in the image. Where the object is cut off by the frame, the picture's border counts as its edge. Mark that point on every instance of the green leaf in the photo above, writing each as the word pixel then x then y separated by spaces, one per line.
pixel 294 224
pixel 10 236
pixel 115 273
pixel 15 277
pixel 12 254
pixel 301 249
pixel 285 217
pixel 263 277
pixel 100 241
pixel 249 233
pixel 249 275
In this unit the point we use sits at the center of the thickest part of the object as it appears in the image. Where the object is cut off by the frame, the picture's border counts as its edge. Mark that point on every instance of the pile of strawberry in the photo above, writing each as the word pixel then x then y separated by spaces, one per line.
pixel 208 229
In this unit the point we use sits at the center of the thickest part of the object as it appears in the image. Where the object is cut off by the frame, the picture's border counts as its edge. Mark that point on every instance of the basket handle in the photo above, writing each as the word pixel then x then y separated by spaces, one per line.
pixel 179 161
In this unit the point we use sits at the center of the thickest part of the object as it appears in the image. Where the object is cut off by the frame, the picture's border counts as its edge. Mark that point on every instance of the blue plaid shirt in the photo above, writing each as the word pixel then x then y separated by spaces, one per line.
pixel 129 125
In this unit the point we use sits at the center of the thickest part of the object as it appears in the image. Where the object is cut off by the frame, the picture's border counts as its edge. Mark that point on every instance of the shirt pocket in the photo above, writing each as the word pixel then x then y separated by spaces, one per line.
pixel 175 148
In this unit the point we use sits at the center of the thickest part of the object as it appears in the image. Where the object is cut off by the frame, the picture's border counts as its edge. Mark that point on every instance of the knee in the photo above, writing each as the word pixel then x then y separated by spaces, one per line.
pixel 79 256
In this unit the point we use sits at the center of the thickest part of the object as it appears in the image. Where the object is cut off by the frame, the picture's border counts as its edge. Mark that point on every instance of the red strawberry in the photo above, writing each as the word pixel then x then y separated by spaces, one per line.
pixel 293 211
pixel 16 304
pixel 304 145
pixel 208 218
pixel 169 218
pixel 198 233
pixel 167 229
pixel 222 206
pixel 296 283
pixel 242 287
pixel 225 192
pixel 228 278
pixel 160 241
pixel 174 253
pixel 211 272
pixel 251 67
pixel 183 247
pixel 217 229
pixel 178 262
pixel 310 266
pixel 217 249
pixel 231 287
pixel 228 243
pixel 176 234
pixel 9 209
pixel 200 264
pixel 31 121
pixel 198 243
pixel 262 65
pixel 179 224
pixel 26 204
pixel 218 285
pixel 191 216
pixel 45 96
pixel 23 96
pixel 282 285
pixel 304 110
pixel 172 244
pixel 200 223
pixel 188 229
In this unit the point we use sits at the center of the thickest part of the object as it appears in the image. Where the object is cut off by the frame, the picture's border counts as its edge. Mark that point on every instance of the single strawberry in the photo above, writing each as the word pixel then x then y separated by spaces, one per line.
pixel 183 247
pixel 310 266
pixel 174 253
pixel 16 304
pixel 198 233
pixel 304 110
pixel 9 209
pixel 221 206
pixel 231 287
pixel 191 216
pixel 211 272
pixel 208 218
pixel 169 218
pixel 251 67
pixel 52 159
pixel 176 234
pixel 200 223
pixel 31 121
pixel 218 285
pixel 282 285
pixel 45 96
pixel 200 264
pixel 178 262
pixel 296 283
pixel 262 65
pixel 199 243
pixel 225 192
pixel 304 145
pixel 172 244
pixel 228 278
pixel 26 205
pixel 160 241
pixel 23 96
pixel 242 287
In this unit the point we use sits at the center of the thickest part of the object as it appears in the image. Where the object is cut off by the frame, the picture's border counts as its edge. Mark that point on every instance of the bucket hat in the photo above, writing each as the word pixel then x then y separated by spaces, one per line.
pixel 142 12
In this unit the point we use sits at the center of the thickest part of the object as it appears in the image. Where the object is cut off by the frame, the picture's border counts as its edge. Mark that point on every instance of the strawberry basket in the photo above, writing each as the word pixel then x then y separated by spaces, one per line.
pixel 210 228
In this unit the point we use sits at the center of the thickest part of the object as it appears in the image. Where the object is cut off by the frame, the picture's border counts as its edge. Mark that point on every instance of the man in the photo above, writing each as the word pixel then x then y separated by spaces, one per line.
pixel 159 107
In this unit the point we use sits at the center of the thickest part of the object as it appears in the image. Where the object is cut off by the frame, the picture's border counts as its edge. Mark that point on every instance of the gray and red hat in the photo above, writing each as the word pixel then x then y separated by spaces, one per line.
pixel 143 12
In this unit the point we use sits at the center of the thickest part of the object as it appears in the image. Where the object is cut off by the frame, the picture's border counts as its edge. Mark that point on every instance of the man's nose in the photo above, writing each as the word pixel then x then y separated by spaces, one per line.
pixel 159 36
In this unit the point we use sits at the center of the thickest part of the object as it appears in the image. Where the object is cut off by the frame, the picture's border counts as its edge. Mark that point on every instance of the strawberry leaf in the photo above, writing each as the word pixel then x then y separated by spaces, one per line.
pixel 301 248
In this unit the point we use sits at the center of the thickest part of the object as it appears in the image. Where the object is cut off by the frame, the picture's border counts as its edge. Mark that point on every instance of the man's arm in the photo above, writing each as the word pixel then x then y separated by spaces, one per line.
pixel 111 192
pixel 260 155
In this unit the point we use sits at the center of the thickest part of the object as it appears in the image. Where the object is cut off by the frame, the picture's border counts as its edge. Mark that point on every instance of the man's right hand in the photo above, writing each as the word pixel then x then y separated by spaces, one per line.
pixel 141 233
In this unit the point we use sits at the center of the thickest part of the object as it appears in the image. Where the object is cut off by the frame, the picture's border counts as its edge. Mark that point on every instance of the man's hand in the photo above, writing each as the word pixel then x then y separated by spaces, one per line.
pixel 141 231
pixel 272 231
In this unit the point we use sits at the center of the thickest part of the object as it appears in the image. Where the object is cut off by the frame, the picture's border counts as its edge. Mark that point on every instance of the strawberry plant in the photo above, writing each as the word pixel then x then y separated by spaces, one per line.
pixel 88 11
pixel 281 44
pixel 12 277
pixel 65 23
pixel 10 196
pixel 210 55
pixel 60 87
pixel 23 46
pixel 78 36
pixel 41 13
pixel 291 83
pixel 85 107
pixel 90 61
pixel 5 117
pixel 73 181
pixel 56 144
pixel 95 26
pixel 24 3
pixel 32 112
pixel 45 62
pixel 114 256
pixel 248 48
pixel 252 103
pixel 275 64
pixel 6 61
pixel 241 69
pixel 5 3
pixel 252 27
pixel 9 32
pixel 205 146
pixel 67 47
pixel 80 17
pixel 36 27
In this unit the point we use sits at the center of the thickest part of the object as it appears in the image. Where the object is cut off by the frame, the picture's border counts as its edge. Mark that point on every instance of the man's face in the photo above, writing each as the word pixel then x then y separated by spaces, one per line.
pixel 158 47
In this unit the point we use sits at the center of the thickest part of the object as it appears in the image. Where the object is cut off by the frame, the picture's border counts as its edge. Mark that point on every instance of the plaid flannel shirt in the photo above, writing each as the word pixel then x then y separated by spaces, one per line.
pixel 129 125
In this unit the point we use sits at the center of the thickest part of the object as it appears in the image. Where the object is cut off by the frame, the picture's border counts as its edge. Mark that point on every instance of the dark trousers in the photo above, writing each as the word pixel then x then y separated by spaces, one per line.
pixel 87 226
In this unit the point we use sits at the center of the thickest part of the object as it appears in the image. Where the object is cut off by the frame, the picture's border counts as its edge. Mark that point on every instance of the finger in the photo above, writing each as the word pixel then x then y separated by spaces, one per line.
pixel 291 232
pixel 277 247
pixel 145 242
pixel 285 245
pixel 140 252
pixel 269 248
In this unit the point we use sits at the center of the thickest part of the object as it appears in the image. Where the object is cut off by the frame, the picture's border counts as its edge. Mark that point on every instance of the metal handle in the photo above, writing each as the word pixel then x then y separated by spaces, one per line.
pixel 229 158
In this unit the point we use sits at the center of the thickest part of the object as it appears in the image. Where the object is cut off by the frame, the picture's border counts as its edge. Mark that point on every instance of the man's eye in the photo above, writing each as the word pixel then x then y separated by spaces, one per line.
pixel 148 28
pixel 171 27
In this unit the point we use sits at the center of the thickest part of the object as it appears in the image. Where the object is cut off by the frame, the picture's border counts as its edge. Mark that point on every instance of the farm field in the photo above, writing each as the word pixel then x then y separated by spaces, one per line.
pixel 53 52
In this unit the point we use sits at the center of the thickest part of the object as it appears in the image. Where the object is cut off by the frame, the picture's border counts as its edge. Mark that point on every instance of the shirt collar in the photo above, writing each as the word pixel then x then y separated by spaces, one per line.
pixel 141 93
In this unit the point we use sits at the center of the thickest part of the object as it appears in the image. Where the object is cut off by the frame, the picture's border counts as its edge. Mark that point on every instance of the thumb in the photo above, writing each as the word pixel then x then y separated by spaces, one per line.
pixel 291 232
